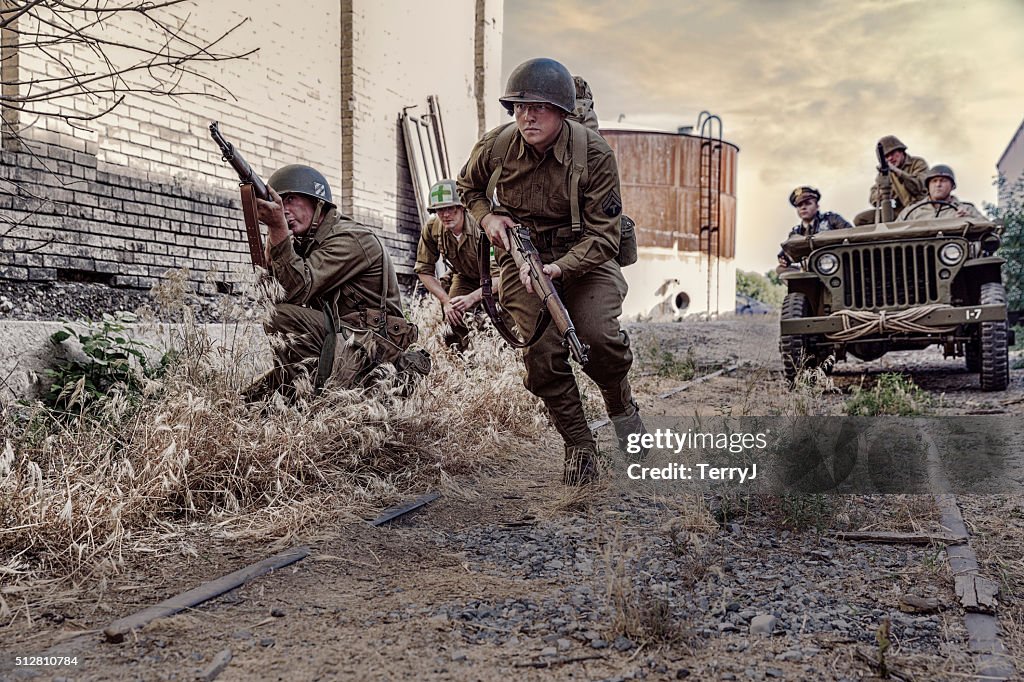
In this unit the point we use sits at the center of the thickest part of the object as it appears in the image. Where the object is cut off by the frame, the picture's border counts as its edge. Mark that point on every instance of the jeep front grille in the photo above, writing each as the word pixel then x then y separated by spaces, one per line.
pixel 889 275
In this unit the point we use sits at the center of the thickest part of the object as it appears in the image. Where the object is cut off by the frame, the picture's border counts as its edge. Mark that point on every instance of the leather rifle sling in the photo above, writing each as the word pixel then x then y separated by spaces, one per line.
pixel 252 226
pixel 487 291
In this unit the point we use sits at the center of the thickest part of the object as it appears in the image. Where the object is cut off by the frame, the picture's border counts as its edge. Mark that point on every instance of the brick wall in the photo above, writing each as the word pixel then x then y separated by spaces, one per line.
pixel 143 189
pixel 400 53
pixel 82 222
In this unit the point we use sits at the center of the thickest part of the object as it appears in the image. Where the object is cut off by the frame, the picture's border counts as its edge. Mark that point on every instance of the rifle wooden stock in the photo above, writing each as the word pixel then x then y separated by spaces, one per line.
pixel 252 187
pixel 523 251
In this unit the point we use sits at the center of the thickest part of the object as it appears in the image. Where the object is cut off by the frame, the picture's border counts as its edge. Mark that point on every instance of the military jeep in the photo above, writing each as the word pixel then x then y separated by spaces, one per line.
pixel 897 286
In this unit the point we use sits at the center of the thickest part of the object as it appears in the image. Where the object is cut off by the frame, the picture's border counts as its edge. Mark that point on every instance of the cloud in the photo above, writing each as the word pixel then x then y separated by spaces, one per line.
pixel 804 89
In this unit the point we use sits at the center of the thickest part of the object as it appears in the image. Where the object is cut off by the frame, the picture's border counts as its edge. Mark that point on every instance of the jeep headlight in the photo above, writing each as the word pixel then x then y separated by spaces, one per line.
pixel 827 263
pixel 951 253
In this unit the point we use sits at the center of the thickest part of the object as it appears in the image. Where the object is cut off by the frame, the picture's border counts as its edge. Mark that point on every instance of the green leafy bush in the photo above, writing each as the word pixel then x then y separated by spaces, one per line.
pixel 110 361
pixel 1011 212
pixel 762 287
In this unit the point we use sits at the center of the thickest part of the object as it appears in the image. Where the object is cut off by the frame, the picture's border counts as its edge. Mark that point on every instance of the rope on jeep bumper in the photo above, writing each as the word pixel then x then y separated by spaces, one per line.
pixel 860 323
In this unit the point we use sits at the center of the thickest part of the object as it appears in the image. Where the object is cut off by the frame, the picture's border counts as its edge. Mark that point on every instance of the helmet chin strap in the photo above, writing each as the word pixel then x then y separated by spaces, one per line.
pixel 317 215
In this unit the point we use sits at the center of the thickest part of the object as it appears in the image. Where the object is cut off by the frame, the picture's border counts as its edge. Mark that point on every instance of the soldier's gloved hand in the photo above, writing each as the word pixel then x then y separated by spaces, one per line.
pixel 494 227
pixel 551 270
pixel 451 314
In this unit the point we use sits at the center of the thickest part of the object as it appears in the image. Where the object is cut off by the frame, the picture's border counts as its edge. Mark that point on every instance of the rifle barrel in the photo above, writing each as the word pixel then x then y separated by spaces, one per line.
pixel 246 175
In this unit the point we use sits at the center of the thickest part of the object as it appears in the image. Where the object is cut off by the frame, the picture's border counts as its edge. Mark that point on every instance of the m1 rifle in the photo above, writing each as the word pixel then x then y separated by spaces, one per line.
pixel 886 203
pixel 524 252
pixel 252 187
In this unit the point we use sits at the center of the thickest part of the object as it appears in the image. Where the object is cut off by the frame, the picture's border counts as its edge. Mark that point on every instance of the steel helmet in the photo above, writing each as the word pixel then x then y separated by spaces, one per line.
pixel 891 143
pixel 443 194
pixel 940 170
pixel 299 179
pixel 541 80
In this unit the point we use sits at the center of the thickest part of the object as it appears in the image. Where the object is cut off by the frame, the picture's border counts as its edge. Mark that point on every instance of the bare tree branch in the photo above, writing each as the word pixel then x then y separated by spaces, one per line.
pixel 89 67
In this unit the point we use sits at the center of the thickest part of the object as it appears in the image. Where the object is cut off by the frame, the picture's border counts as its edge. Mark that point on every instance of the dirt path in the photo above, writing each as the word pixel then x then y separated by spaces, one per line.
pixel 511 576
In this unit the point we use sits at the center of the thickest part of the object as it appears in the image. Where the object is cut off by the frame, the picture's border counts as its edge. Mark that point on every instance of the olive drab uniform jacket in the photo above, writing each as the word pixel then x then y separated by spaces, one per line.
pixel 821 222
pixel 460 255
pixel 343 265
pixel 583 240
pixel 534 190
pixel 924 209
pixel 907 186
pixel 341 276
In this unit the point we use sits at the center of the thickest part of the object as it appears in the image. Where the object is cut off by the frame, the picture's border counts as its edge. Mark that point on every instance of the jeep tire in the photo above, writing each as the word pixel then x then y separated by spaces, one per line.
pixel 794 348
pixel 995 361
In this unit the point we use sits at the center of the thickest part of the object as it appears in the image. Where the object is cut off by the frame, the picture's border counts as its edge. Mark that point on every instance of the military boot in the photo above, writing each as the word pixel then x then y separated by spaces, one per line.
pixel 580 465
pixel 627 425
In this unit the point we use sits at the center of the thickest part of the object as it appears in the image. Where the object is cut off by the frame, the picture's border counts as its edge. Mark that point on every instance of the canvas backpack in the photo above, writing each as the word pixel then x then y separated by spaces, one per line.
pixel 583 117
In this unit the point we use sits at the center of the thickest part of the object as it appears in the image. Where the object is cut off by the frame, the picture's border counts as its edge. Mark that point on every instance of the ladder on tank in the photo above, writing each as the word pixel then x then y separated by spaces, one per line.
pixel 710 205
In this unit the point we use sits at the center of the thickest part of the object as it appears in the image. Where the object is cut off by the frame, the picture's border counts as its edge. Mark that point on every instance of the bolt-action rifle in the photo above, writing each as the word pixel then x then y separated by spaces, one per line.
pixel 524 252
pixel 252 187
pixel 886 203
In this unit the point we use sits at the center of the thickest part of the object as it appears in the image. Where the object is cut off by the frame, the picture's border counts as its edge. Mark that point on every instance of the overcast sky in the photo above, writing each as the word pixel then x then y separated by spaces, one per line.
pixel 805 89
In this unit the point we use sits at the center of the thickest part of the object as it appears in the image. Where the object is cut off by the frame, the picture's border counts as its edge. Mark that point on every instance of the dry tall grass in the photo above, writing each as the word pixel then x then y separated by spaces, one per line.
pixel 77 497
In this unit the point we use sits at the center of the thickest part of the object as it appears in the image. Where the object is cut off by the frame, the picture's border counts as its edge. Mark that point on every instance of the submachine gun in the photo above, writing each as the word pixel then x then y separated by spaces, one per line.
pixel 523 251
pixel 252 187
pixel 885 191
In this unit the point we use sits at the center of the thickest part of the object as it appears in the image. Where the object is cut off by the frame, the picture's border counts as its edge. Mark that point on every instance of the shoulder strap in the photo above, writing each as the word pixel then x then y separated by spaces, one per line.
pixel 578 173
pixel 498 152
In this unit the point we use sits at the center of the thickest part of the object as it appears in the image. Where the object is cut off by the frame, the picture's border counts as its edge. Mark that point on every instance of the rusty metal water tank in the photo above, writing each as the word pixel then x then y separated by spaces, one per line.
pixel 660 174
pixel 672 186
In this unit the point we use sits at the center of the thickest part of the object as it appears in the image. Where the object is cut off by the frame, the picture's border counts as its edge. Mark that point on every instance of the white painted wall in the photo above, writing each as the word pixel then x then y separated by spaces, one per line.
pixel 282 107
pixel 660 275
pixel 1011 164
pixel 404 51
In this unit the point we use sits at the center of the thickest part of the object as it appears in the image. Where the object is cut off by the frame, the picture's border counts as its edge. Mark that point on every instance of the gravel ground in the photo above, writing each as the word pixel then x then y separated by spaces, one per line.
pixel 508 576
pixel 89 301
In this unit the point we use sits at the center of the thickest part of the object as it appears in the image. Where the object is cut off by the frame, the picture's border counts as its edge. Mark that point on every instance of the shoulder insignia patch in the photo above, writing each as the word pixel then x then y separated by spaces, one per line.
pixel 612 205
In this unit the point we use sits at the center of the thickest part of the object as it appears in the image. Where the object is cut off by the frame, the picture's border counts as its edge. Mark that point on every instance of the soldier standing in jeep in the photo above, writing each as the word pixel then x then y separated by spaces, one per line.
pixel 941 202
pixel 902 172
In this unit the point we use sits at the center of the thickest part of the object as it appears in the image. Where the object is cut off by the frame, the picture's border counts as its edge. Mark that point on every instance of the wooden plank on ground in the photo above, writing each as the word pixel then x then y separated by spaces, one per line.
pixel 698 380
pixel 116 631
pixel 976 593
pixel 989 655
pixel 404 508
pixel 216 667
pixel 897 538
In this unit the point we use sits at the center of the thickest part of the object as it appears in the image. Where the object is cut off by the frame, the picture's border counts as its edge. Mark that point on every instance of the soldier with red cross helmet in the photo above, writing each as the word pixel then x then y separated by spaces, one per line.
pixel 533 179
pixel 812 220
pixel 453 236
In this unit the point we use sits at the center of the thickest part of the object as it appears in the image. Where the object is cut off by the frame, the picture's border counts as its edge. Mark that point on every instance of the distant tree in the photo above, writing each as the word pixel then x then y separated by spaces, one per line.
pixel 760 287
pixel 1010 211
